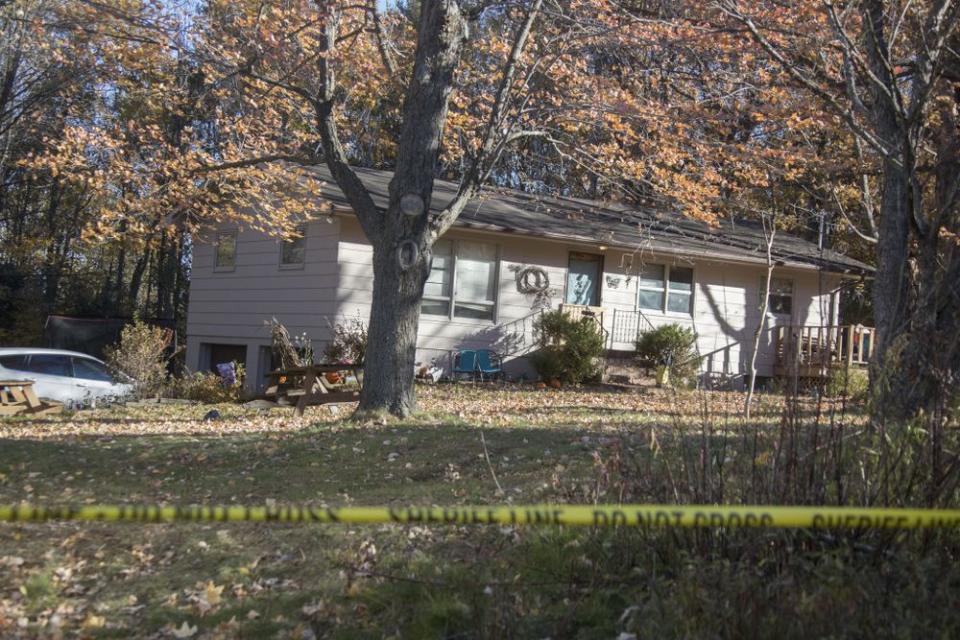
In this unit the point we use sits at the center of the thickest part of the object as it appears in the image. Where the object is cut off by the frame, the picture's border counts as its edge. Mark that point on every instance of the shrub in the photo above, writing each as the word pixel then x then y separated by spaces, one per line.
pixel 671 345
pixel 209 388
pixel 852 383
pixel 349 342
pixel 570 350
pixel 142 356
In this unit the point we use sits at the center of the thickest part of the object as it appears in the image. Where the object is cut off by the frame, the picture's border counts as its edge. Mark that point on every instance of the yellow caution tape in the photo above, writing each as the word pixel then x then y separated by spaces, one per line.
pixel 596 516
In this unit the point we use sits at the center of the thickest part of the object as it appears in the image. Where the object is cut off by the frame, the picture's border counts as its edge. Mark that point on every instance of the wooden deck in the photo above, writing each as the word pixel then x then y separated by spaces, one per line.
pixel 813 352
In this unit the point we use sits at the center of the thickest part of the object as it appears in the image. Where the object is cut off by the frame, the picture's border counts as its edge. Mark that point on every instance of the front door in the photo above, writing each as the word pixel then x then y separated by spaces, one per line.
pixel 583 279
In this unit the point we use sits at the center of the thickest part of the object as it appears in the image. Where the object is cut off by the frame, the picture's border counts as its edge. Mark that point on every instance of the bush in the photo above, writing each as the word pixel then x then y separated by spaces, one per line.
pixel 349 343
pixel 209 388
pixel 142 356
pixel 570 350
pixel 852 383
pixel 671 345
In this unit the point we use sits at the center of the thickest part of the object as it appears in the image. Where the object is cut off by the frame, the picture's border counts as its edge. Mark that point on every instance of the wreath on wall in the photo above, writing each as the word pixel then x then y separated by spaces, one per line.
pixel 532 280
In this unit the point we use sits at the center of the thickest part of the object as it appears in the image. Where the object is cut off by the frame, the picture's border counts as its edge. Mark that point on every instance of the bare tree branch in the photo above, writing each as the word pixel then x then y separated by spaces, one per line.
pixel 382 45
pixel 485 156
pixel 333 151
pixel 871 238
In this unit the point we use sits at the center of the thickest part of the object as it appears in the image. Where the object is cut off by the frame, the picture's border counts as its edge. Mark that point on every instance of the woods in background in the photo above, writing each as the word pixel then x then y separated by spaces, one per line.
pixel 60 71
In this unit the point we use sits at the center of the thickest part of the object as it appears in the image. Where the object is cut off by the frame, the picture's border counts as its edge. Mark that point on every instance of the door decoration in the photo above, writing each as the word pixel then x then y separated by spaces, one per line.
pixel 535 281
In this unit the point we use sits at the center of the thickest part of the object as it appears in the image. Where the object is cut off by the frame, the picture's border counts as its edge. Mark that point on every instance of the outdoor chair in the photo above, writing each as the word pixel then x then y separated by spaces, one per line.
pixel 489 364
pixel 465 362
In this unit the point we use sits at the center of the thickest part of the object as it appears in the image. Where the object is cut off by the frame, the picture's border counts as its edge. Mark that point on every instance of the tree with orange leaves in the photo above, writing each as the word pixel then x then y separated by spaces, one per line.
pixel 888 72
pixel 208 120
pixel 566 83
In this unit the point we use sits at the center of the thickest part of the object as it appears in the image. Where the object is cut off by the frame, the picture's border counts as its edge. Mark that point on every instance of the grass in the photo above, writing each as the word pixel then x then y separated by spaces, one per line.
pixel 254 581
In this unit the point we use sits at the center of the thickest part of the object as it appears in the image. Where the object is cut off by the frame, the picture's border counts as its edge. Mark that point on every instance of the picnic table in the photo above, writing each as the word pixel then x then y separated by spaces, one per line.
pixel 18 396
pixel 309 385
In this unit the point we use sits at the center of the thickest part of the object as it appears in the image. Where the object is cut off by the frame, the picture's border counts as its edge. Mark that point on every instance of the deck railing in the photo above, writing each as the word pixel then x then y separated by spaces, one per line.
pixel 581 311
pixel 627 326
pixel 814 350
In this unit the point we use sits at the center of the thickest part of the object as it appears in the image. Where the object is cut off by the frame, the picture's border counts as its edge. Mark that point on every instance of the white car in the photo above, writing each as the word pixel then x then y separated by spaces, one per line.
pixel 72 378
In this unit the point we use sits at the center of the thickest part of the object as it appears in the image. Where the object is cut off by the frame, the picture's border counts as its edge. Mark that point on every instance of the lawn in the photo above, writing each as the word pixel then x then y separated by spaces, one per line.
pixel 286 581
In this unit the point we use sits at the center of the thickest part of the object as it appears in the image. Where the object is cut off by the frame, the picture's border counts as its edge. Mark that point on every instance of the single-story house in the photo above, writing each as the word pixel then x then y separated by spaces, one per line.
pixel 509 256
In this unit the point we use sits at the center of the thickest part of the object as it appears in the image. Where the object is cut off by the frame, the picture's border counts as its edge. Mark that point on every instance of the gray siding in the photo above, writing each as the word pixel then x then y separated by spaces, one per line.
pixel 337 280
pixel 233 307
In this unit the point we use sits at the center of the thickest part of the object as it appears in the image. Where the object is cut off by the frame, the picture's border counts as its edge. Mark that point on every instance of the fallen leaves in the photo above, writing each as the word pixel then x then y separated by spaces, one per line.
pixel 184 631
pixel 535 439
pixel 11 561
pixel 209 599
pixel 205 597
pixel 94 622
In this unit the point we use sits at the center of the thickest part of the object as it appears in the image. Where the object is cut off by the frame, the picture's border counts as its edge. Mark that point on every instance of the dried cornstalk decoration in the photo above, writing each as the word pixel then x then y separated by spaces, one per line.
pixel 284 353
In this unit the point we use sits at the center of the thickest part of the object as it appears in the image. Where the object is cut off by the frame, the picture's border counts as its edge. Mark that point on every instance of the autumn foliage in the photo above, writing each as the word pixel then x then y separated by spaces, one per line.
pixel 130 127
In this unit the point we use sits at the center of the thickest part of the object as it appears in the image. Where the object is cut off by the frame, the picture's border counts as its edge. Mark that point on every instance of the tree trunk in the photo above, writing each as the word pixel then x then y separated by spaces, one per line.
pixel 53 264
pixel 167 265
pixel 136 280
pixel 890 291
pixel 401 236
pixel 116 296
pixel 388 367
pixel 890 287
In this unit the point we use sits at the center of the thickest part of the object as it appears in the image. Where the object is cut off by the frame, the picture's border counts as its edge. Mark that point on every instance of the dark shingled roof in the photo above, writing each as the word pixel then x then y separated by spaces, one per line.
pixel 613 225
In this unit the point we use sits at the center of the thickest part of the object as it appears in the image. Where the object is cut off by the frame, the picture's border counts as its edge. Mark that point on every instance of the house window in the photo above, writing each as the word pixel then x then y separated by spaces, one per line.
pixel 666 289
pixel 462 281
pixel 226 251
pixel 780 301
pixel 293 252
pixel 437 291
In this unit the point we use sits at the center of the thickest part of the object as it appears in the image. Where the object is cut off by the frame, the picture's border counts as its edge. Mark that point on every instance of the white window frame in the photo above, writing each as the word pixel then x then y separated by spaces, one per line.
pixel 302 230
pixel 793 295
pixel 664 290
pixel 216 250
pixel 451 300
